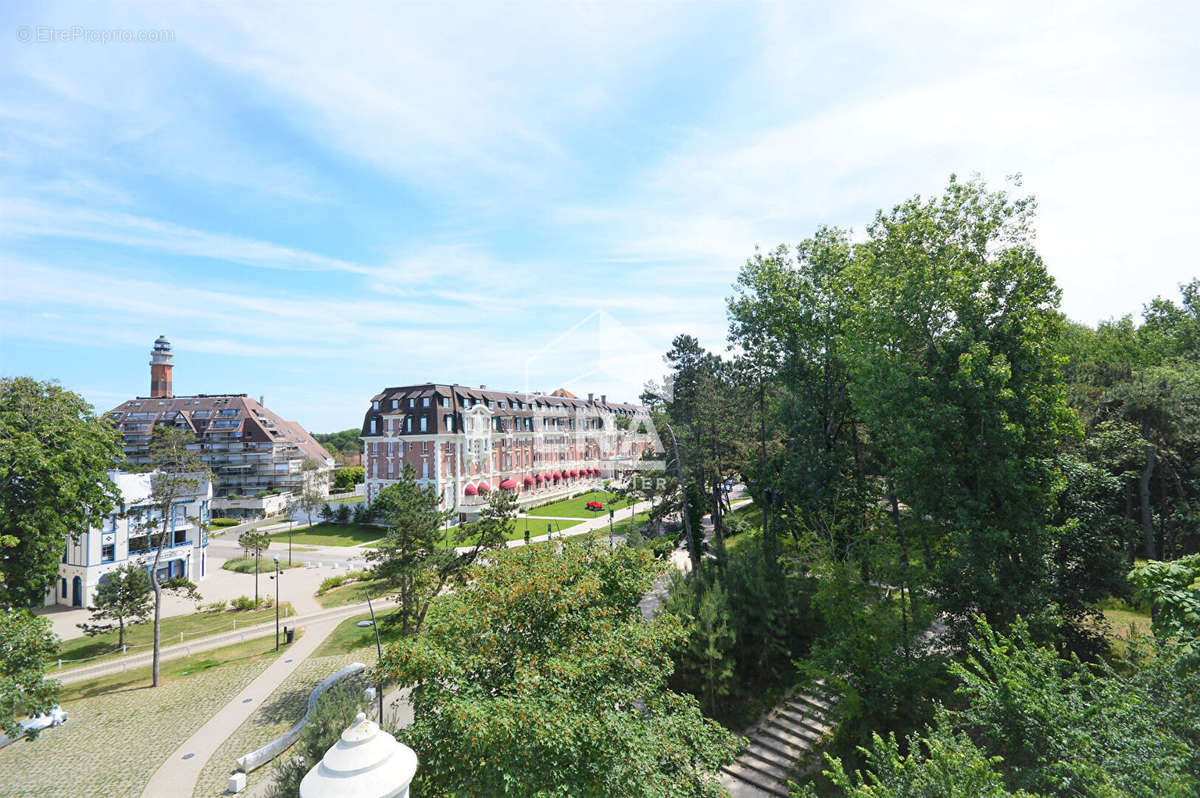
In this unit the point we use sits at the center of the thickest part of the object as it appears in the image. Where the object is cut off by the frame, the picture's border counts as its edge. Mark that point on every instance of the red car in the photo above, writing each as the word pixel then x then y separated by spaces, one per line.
pixel 595 506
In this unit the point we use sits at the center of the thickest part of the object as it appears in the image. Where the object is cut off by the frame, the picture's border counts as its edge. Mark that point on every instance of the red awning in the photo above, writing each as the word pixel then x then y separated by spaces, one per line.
pixel 508 484
pixel 528 480
pixel 483 487
pixel 470 490
pixel 573 473
pixel 556 476
pixel 539 478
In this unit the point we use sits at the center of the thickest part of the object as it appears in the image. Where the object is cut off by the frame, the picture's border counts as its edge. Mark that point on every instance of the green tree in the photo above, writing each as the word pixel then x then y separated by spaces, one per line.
pixel 952 343
pixel 122 598
pixel 497 520
pixel 253 544
pixel 54 455
pixel 178 473
pixel 544 679
pixel 344 479
pixel 705 662
pixel 1173 591
pixel 311 500
pixel 26 646
pixel 416 568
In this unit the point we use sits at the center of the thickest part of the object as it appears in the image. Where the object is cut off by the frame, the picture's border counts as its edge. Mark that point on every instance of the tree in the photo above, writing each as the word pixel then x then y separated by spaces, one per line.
pixel 54 455
pixel 344 479
pixel 410 558
pixel 254 543
pixel 544 679
pixel 952 356
pixel 178 473
pixel 122 598
pixel 26 646
pixel 1173 591
pixel 311 500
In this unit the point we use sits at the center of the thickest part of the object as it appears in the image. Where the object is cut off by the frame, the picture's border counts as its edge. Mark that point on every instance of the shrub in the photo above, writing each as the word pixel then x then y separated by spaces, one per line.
pixel 330 582
pixel 333 714
pixel 216 606
pixel 233 497
pixel 223 522
pixel 242 603
pixel 735 525
pixel 342 514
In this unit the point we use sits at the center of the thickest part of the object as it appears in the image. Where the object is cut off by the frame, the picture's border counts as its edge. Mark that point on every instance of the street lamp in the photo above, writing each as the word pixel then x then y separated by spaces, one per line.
pixel 276 577
pixel 610 528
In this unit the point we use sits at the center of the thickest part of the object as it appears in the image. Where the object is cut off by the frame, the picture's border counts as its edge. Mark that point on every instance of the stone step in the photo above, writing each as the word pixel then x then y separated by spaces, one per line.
pixel 801 730
pixel 769 755
pixel 819 704
pixel 764 776
pixel 758 784
pixel 786 737
pixel 786 748
pixel 804 719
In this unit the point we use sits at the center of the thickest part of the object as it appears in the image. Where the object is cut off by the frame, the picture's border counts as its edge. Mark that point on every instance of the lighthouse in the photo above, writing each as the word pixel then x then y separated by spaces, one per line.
pixel 160 368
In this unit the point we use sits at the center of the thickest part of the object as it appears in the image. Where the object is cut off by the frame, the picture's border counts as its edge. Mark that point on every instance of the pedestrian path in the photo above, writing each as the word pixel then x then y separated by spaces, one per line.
pixel 178 650
pixel 178 774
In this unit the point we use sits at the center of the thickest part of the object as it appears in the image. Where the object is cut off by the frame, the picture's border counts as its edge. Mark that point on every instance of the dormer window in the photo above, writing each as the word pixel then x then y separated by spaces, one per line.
pixel 374 404
pixel 424 401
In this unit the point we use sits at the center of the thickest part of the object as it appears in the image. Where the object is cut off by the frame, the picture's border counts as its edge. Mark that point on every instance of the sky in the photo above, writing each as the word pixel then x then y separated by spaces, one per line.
pixel 317 201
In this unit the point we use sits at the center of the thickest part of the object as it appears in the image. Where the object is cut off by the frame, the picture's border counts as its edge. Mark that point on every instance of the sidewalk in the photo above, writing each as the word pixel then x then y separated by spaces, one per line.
pixel 336 614
pixel 178 774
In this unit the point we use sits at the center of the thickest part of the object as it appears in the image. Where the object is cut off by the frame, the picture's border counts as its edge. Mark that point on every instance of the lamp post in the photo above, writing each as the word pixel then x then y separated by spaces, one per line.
pixel 276 577
pixel 257 551
pixel 610 528
pixel 378 652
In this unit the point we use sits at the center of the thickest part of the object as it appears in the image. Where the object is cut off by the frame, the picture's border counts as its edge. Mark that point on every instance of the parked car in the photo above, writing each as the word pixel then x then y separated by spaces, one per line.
pixel 57 716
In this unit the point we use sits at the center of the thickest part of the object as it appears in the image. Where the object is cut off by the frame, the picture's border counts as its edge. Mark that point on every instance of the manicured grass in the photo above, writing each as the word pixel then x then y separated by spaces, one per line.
pixel 536 526
pixel 348 500
pixel 574 508
pixel 173 669
pixel 349 636
pixel 193 626
pixel 623 527
pixel 266 564
pixel 350 593
pixel 327 534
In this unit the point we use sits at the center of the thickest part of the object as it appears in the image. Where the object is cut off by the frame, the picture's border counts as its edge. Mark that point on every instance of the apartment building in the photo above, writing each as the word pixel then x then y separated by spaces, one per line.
pixel 467 442
pixel 130 533
pixel 250 449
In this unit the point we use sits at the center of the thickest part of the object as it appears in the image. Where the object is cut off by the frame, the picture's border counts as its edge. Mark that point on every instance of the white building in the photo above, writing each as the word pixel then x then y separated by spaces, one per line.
pixel 124 536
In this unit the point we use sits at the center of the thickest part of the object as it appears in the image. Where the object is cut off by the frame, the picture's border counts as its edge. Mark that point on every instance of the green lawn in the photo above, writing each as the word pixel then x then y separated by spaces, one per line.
pixel 350 593
pixel 173 669
pixel 574 508
pixel 536 526
pixel 347 500
pixel 1121 617
pixel 327 534
pixel 266 563
pixel 349 636
pixel 193 626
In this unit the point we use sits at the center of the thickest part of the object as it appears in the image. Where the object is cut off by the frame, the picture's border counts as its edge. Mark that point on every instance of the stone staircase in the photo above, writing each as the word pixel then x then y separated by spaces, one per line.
pixel 777 743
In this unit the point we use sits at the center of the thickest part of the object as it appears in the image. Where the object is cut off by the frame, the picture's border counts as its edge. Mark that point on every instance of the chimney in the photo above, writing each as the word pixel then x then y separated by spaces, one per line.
pixel 260 400
pixel 590 398
pixel 483 387
pixel 160 368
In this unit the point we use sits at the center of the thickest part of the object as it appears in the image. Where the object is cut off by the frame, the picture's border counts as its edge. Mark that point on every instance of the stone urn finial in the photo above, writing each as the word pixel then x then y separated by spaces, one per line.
pixel 365 763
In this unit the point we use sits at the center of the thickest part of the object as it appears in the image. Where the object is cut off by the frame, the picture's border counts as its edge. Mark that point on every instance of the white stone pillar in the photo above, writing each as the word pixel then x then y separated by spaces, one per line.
pixel 365 763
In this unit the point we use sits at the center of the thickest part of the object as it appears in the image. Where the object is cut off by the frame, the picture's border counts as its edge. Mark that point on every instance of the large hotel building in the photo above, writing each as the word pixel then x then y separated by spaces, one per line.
pixel 466 443
pixel 250 449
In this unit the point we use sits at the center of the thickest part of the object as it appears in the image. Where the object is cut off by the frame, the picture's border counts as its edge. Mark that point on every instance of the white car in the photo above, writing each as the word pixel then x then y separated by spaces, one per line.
pixel 57 716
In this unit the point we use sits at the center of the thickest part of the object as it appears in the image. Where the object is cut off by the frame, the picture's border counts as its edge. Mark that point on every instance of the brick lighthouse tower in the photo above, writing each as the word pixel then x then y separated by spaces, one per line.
pixel 160 368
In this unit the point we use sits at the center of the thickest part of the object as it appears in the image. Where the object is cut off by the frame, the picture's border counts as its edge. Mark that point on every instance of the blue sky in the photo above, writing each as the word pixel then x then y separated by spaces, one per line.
pixel 317 201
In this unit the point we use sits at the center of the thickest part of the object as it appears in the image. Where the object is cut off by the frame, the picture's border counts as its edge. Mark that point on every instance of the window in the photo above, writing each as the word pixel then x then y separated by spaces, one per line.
pixel 375 426
pixel 445 401
pixel 424 423
pixel 408 423
pixel 65 550
pixel 449 422
pixel 424 447
pixel 395 404
pixel 412 402
pixel 180 537
pixel 108 552
pixel 424 401
pixel 374 404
